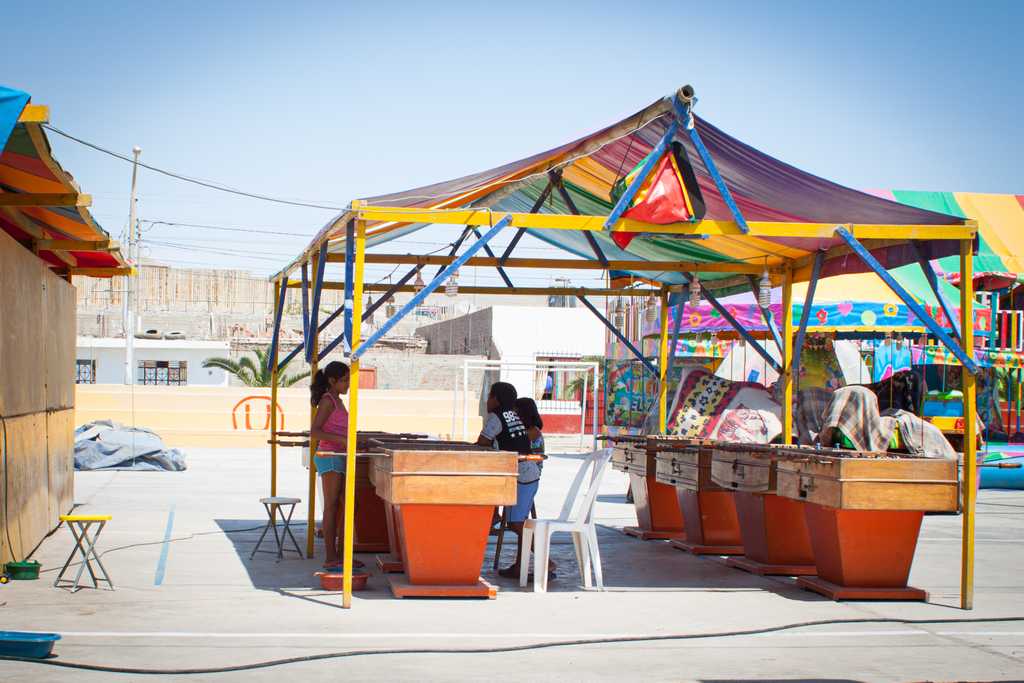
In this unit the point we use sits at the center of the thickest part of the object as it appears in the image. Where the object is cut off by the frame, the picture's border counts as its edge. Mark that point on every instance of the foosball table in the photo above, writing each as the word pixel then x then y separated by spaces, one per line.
pixel 657 507
pixel 708 509
pixel 440 498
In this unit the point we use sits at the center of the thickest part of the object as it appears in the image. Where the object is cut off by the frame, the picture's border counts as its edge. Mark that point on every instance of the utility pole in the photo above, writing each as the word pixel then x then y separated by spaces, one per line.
pixel 128 308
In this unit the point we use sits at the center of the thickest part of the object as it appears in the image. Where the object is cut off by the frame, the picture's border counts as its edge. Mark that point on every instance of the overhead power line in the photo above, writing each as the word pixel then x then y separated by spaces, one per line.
pixel 204 183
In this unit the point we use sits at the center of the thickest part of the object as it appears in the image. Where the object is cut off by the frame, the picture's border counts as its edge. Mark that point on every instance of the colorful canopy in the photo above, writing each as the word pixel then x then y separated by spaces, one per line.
pixel 764 188
pixel 27 167
pixel 1000 258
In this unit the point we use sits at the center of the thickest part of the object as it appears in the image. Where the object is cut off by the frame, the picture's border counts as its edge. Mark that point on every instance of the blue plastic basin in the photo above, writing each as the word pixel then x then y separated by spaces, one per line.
pixel 21 644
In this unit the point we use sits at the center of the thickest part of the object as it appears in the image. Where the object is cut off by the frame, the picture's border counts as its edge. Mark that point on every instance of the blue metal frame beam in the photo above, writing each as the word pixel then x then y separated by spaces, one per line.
pixel 933 282
pixel 441 277
pixel 684 114
pixel 367 313
pixel 276 334
pixel 766 315
pixel 618 335
pixel 645 170
pixel 556 178
pixel 350 257
pixel 456 245
pixel 805 315
pixel 522 231
pixel 740 330
pixel 305 306
pixel 868 258
pixel 314 313
pixel 501 271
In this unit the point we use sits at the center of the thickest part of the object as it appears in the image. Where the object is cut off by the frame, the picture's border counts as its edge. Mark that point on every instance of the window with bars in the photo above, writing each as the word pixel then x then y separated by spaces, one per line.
pixel 85 371
pixel 162 372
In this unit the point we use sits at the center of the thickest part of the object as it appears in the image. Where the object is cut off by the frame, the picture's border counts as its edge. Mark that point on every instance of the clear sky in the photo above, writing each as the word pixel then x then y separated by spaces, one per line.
pixel 332 101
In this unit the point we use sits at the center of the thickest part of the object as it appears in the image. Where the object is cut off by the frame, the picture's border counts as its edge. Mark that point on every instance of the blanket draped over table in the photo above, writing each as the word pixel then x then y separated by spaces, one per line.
pixel 709 407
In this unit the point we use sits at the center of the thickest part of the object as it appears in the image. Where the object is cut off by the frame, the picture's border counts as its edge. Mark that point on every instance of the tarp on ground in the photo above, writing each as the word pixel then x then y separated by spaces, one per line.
pixel 764 188
pixel 107 445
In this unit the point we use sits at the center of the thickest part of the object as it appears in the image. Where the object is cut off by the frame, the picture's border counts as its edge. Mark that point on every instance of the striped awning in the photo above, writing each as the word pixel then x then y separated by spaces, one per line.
pixel 765 189
pixel 41 206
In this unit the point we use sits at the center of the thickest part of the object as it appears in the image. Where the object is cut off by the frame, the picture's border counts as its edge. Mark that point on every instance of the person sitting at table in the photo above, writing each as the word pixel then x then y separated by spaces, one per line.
pixel 504 430
pixel 330 429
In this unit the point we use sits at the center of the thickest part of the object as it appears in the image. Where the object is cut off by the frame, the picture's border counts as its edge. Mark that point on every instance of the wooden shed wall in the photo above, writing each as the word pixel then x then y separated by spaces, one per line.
pixel 37 382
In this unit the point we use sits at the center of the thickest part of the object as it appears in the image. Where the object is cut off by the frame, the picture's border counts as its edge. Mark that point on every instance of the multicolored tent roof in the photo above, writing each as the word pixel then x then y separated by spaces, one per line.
pixel 27 167
pixel 765 189
pixel 999 261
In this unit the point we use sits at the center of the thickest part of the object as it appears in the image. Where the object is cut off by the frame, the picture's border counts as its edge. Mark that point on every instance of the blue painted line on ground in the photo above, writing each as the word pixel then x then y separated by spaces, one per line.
pixel 161 565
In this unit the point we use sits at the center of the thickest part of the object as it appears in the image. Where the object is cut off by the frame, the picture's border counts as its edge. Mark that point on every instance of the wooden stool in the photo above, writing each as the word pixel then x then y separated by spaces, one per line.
pixel 504 526
pixel 273 506
pixel 85 545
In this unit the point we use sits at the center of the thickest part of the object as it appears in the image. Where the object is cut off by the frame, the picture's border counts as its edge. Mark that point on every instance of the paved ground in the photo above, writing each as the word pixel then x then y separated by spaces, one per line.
pixel 213 607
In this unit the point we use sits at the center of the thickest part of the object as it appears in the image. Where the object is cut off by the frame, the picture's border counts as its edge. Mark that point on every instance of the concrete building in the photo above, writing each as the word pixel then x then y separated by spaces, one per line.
pixel 530 343
pixel 167 362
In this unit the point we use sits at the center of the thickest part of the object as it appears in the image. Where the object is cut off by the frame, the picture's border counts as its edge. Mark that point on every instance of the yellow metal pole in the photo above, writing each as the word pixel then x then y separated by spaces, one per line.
pixel 663 364
pixel 353 415
pixel 970 468
pixel 273 401
pixel 787 357
pixel 313 363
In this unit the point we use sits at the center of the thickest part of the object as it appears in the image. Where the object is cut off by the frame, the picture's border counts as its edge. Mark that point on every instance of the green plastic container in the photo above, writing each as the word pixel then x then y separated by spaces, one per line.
pixel 23 571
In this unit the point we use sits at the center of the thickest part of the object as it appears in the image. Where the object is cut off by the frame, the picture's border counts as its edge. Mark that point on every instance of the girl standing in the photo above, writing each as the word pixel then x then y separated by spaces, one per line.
pixel 330 429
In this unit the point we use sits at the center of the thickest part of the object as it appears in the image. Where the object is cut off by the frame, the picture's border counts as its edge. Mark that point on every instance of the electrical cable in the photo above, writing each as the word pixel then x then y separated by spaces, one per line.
pixel 501 649
pixel 187 179
pixel 7 497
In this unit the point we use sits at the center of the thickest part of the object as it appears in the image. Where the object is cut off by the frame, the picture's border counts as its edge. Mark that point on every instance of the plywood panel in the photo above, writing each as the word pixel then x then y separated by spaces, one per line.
pixel 22 360
pixel 60 450
pixel 59 342
pixel 28 480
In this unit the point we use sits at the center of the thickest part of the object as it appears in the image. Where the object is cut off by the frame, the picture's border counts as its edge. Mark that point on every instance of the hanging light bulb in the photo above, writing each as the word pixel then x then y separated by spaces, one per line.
pixel 369 307
pixel 391 308
pixel 764 290
pixel 451 288
pixel 620 314
pixel 695 290
pixel 418 285
pixel 651 312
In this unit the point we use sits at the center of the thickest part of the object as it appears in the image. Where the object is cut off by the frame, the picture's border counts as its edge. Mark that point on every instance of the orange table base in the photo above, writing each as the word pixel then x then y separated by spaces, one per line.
pixel 443 549
pixel 711 524
pixel 775 536
pixel 657 509
pixel 371 524
pixel 862 554
pixel 401 587
pixel 391 563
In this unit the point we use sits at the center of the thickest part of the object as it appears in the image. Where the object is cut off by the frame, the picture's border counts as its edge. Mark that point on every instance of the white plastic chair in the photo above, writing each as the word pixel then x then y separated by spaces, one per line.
pixel 576 518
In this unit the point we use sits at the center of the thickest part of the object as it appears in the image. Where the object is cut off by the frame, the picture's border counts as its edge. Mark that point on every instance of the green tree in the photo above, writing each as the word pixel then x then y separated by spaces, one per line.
pixel 575 386
pixel 254 373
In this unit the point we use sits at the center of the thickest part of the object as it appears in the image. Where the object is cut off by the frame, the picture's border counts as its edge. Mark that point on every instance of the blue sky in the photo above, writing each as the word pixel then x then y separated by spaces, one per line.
pixel 331 101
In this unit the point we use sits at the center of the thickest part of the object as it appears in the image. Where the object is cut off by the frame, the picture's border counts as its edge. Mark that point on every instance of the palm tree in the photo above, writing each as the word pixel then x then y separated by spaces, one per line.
pixel 575 386
pixel 254 373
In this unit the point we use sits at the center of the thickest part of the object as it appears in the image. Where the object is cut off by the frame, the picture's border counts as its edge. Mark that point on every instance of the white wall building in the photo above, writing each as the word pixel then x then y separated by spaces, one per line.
pixel 100 360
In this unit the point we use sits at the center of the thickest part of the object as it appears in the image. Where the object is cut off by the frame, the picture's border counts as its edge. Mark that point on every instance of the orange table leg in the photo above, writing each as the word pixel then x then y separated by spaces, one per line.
pixel 371 527
pixel 775 536
pixel 657 510
pixel 391 563
pixel 443 548
pixel 862 554
pixel 711 524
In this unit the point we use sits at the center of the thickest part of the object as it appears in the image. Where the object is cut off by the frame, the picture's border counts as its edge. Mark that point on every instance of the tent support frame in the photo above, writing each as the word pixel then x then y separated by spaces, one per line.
pixel 933 282
pixel 868 258
pixel 618 335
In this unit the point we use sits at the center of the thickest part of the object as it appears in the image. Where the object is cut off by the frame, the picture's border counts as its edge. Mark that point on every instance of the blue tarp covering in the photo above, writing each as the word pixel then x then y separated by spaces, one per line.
pixel 11 103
